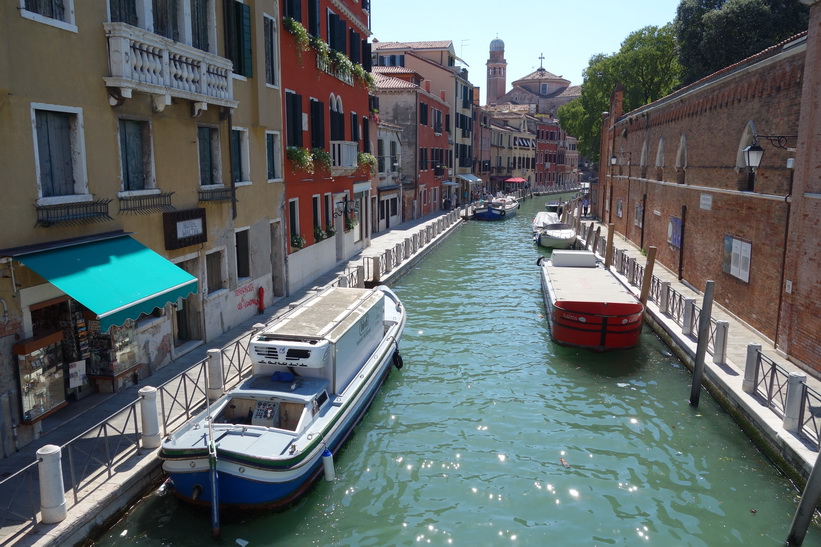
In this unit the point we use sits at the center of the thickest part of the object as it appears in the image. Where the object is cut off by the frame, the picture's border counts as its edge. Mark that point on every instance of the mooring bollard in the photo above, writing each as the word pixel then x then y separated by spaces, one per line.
pixel 689 314
pixel 722 334
pixel 343 280
pixel 150 418
pixel 664 294
pixel 52 493
pixel 792 403
pixel 751 368
pixel 376 269
pixel 215 385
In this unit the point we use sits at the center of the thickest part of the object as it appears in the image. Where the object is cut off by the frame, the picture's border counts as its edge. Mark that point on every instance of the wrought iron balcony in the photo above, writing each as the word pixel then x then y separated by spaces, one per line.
pixel 143 61
pixel 80 212
pixel 222 193
pixel 146 204
pixel 325 65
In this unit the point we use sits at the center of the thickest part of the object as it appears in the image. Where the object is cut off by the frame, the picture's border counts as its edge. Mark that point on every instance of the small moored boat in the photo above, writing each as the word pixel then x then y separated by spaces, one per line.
pixel 549 231
pixel 586 305
pixel 315 372
pixel 498 208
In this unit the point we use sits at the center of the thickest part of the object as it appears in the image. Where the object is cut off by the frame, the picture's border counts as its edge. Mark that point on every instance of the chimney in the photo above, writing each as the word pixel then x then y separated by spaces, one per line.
pixel 442 94
pixel 427 85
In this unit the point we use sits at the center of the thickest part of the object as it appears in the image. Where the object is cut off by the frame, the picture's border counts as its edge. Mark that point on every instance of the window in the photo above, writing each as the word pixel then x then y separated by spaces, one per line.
pixel 674 232
pixel 423 159
pixel 619 205
pixel 271 41
pixel 317 210
pixel 240 160
pixel 337 119
pixel 380 153
pixel 423 114
pixel 354 127
pixel 337 37
pixel 293 218
pixel 329 219
pixel 292 9
pixel 124 11
pixel 274 154
pixel 199 25
pixel 208 144
pixel 135 153
pixel 639 218
pixel 313 17
pixel 166 22
pixel 394 156
pixel 366 134
pixel 214 277
pixel 737 254
pixel 293 111
pixel 243 254
pixel 60 151
pixel 58 13
pixel 238 37
pixel 317 124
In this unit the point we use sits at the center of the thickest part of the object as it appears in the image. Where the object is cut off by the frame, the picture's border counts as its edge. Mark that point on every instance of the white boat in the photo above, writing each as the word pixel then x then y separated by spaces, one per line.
pixel 549 231
pixel 498 208
pixel 315 372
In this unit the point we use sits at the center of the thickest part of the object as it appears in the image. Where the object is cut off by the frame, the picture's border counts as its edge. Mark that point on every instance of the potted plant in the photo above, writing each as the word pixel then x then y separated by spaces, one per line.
pixel 300 157
pixel 300 33
pixel 348 224
pixel 297 242
pixel 364 158
pixel 330 231
pixel 319 233
pixel 342 65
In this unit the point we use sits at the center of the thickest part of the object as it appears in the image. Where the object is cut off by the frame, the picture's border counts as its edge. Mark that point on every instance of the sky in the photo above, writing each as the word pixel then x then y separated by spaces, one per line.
pixel 567 32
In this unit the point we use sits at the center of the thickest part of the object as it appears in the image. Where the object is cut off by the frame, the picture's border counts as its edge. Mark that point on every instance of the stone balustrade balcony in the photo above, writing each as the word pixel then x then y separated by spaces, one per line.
pixel 146 62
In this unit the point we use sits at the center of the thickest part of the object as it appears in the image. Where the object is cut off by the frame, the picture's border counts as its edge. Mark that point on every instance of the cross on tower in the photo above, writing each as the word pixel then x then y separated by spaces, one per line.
pixel 541 58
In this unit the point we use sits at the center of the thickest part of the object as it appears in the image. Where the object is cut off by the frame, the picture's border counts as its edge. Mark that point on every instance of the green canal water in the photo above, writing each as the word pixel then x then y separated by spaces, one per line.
pixel 493 435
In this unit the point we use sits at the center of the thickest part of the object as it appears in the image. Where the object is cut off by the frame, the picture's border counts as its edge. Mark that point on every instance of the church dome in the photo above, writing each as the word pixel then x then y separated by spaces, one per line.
pixel 497 45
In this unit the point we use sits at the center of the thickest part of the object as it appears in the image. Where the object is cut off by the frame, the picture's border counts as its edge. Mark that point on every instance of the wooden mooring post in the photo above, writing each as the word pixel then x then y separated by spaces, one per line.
pixel 806 507
pixel 703 336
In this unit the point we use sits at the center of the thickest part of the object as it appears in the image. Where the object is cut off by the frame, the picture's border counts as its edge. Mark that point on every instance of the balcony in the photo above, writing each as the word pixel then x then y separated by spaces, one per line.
pixel 215 193
pixel 154 202
pixel 343 158
pixel 146 62
pixel 326 66
pixel 72 214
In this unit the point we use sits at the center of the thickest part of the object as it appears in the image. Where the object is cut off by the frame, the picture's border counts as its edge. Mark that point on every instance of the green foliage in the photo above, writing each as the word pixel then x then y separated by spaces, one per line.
pixel 341 63
pixel 321 158
pixel 297 241
pixel 645 65
pixel 322 50
pixel 364 158
pixel 714 34
pixel 300 33
pixel 301 158
pixel 319 233
pixel 363 76
pixel 330 231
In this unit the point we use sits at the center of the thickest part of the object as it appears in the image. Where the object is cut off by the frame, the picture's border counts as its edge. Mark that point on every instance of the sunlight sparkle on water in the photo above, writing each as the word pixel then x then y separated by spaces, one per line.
pixel 502 457
pixel 573 492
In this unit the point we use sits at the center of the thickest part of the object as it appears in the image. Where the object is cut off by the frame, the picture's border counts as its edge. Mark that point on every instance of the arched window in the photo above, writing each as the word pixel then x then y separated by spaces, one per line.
pixel 681 159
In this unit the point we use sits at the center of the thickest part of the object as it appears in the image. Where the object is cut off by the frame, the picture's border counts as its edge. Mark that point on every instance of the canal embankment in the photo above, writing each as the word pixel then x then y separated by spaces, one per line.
pixel 770 397
pixel 105 469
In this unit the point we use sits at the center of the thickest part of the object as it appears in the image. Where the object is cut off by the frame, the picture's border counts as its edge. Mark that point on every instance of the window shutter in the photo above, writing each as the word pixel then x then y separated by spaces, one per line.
pixel 366 134
pixel 367 55
pixel 333 28
pixel 341 36
pixel 293 9
pixel 247 67
pixel 313 17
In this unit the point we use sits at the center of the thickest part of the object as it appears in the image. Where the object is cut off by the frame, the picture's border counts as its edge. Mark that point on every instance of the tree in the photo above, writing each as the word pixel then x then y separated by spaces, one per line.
pixel 647 67
pixel 714 34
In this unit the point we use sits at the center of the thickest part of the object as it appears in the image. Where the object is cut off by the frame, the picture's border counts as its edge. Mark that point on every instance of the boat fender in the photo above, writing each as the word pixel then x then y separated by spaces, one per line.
pixel 328 464
pixel 397 360
pixel 539 261
pixel 503 213
pixel 196 492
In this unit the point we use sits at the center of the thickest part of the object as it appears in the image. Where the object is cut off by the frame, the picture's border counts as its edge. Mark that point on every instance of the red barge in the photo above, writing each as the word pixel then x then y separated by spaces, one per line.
pixel 587 307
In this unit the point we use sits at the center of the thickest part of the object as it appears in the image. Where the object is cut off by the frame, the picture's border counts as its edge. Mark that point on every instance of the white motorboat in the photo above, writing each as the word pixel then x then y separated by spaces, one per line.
pixel 549 231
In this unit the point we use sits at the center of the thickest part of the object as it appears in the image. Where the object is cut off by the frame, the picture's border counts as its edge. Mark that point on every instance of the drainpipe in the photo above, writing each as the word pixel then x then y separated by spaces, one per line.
pixel 229 118
pixel 681 247
pixel 788 201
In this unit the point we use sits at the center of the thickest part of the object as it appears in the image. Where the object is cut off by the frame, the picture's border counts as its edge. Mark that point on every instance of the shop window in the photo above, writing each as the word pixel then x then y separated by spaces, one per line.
pixel 737 254
pixel 271 53
pixel 243 254
pixel 215 279
pixel 208 144
pixel 135 155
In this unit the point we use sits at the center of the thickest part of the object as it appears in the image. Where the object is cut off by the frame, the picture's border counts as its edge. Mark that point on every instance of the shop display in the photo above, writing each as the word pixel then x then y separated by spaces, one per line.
pixel 41 375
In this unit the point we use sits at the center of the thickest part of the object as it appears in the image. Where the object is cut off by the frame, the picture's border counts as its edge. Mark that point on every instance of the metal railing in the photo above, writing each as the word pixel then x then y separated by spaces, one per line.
pixel 21 485
pixel 771 384
pixel 809 417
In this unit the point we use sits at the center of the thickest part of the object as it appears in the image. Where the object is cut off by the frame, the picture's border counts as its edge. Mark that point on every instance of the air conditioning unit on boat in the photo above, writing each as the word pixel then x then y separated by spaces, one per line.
pixel 270 350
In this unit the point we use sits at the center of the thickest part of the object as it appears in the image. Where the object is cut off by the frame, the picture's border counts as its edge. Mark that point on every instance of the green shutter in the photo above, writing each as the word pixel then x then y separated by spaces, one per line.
pixel 245 40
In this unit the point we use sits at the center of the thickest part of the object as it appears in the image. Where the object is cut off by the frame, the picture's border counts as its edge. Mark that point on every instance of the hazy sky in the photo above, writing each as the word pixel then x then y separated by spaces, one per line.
pixel 567 32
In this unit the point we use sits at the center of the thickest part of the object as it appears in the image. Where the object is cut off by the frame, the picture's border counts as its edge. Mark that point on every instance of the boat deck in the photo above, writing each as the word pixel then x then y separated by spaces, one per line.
pixel 586 285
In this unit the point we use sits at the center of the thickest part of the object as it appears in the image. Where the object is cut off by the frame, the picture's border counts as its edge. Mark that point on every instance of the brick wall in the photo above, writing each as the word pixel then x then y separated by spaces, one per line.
pixel 701 131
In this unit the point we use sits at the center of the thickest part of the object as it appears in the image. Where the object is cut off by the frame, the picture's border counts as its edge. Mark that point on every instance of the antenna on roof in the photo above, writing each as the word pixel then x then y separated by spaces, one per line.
pixel 462 46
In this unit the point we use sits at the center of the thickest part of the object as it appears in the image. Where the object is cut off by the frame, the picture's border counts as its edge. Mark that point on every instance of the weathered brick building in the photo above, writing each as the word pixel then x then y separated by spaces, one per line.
pixel 674 175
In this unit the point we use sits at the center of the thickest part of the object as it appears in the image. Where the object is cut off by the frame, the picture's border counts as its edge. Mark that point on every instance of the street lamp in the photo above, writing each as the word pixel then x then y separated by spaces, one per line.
pixel 753 155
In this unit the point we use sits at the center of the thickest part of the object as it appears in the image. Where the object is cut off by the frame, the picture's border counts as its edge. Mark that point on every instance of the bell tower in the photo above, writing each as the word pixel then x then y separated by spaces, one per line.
pixel 496 72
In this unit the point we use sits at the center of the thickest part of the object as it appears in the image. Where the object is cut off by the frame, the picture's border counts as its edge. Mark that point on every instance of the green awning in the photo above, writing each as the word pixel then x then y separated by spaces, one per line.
pixel 118 278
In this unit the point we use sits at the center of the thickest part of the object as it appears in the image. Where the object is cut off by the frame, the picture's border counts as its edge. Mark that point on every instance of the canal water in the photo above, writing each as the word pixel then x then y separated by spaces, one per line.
pixel 493 435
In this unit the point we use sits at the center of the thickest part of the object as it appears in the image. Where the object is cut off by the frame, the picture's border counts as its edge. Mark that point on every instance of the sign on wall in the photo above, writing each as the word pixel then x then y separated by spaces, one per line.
pixel 184 228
